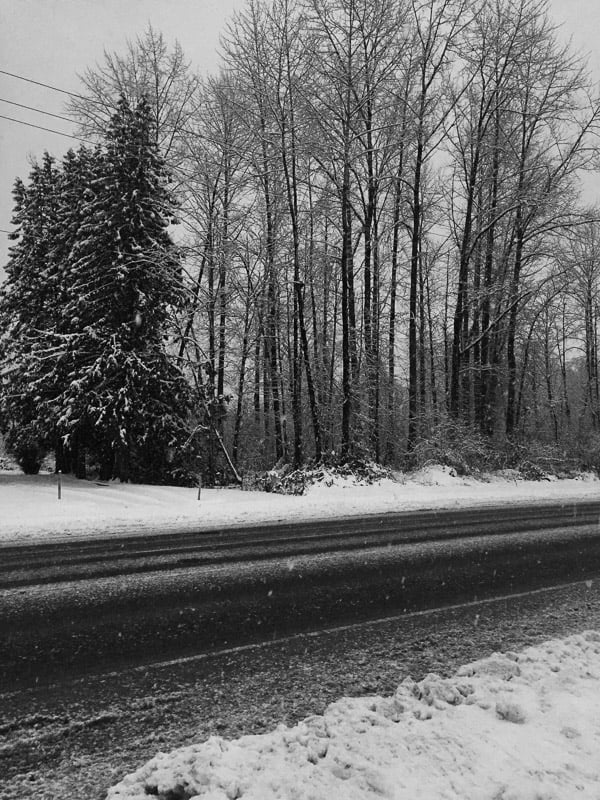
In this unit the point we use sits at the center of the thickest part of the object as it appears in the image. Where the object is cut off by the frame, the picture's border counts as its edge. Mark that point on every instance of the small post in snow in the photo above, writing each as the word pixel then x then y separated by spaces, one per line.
pixel 59 485
pixel 199 486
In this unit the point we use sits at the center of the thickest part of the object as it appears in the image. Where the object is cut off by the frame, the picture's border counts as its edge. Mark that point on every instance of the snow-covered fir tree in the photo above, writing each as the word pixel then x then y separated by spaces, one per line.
pixel 78 170
pixel 29 304
pixel 103 386
pixel 124 393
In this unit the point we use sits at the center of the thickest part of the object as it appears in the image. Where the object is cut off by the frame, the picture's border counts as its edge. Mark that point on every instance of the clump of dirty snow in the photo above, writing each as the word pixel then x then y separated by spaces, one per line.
pixel 514 726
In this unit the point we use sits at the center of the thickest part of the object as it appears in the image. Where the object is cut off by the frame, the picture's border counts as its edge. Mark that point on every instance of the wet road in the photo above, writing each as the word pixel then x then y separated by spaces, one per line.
pixel 94 604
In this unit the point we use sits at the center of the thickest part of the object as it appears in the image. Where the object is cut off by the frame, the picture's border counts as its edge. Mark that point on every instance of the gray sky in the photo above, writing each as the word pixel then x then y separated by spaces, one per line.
pixel 53 40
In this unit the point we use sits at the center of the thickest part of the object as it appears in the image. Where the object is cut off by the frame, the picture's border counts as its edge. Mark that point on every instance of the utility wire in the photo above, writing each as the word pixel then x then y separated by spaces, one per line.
pixel 3 231
pixel 71 94
pixel 39 83
pixel 50 130
pixel 38 110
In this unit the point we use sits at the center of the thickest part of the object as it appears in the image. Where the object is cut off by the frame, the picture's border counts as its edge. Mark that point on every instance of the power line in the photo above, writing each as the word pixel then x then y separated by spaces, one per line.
pixel 54 88
pixel 39 110
pixel 71 94
pixel 91 100
pixel 39 83
pixel 50 130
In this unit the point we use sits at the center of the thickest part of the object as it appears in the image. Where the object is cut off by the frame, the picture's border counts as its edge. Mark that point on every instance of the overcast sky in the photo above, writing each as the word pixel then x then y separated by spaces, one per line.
pixel 53 40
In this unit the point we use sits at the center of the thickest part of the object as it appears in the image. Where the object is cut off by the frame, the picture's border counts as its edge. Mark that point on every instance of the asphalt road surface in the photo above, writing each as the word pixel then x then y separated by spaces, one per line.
pixel 99 603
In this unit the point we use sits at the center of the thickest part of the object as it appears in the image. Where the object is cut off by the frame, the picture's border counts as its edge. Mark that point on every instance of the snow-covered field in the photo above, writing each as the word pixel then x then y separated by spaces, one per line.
pixel 517 726
pixel 30 508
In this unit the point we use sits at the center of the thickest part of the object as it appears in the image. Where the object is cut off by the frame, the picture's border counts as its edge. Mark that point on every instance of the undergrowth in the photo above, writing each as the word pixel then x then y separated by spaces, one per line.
pixel 454 445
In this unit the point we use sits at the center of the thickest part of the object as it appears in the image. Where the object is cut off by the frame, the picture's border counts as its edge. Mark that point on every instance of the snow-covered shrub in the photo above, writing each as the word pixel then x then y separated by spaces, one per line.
pixel 6 462
pixel 590 453
pixel 279 480
pixel 537 460
pixel 26 448
pixel 456 445
pixel 283 479
pixel 469 452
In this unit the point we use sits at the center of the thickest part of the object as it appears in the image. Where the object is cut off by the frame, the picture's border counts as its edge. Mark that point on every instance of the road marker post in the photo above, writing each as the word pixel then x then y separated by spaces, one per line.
pixel 199 486
pixel 59 485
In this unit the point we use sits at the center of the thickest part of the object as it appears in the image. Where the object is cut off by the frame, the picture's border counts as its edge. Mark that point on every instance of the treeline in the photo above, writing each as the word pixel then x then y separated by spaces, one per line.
pixel 385 254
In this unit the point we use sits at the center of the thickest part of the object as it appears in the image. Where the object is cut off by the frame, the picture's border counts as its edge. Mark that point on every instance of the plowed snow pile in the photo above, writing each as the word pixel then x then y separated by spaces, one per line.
pixel 514 726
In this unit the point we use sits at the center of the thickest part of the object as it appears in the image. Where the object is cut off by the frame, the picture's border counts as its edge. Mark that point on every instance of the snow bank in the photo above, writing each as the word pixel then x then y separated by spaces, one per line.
pixel 509 727
pixel 30 508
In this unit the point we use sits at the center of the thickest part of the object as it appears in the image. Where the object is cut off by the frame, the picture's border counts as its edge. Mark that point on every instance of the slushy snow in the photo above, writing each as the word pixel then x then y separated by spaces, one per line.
pixel 31 509
pixel 513 726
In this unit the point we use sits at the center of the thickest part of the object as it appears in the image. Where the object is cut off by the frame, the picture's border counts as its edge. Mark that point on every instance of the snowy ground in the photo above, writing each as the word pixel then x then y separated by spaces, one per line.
pixel 30 508
pixel 518 726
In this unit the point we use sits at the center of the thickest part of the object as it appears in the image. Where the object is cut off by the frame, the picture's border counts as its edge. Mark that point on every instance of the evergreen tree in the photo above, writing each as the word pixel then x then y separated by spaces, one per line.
pixel 28 306
pixel 92 281
pixel 123 393
pixel 78 170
